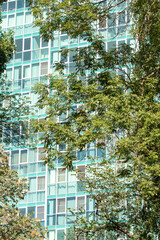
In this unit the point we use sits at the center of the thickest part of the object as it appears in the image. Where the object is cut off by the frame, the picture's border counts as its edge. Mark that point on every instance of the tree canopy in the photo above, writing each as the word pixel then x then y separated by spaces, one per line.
pixel 111 99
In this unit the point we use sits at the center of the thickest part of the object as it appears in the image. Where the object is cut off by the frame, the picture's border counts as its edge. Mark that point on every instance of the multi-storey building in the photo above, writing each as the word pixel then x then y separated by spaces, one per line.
pixel 51 191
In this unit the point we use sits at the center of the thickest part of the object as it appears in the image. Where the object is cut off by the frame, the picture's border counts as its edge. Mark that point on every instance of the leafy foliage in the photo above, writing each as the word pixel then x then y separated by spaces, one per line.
pixel 118 112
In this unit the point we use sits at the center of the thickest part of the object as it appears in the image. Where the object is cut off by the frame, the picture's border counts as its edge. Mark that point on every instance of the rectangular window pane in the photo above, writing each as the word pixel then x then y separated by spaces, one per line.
pixel 81 172
pixel 32 184
pixel 19 19
pixel 17 73
pixel 80 203
pixel 35 70
pixel 28 17
pixel 11 20
pixel 19 44
pixel 61 205
pixel 41 183
pixel 36 42
pixel 44 68
pixel 32 155
pixel 27 43
pixel 40 212
pixel 23 157
pixel 20 4
pixel 61 174
pixel 15 157
pixel 26 71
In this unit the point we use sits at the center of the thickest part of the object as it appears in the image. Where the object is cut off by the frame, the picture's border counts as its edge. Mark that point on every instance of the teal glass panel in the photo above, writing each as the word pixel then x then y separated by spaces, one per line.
pixel 19 19
pixel 32 184
pixel 121 31
pixel 81 155
pixel 18 58
pixel 111 45
pixel 44 53
pixel 22 211
pixel 51 221
pixel 23 169
pixel 61 220
pixel 17 73
pixel 111 32
pixel 23 156
pixel 36 43
pixel 35 70
pixel 28 17
pixel 32 197
pixel 15 157
pixel 71 187
pixel 52 190
pixel 27 56
pixel 70 219
pixel 31 212
pixel 32 167
pixel 17 85
pixel 19 30
pixel 80 187
pixel 90 204
pixel 15 168
pixel 9 73
pixel 41 167
pixel 40 196
pixel 60 234
pixel 51 207
pixel 25 83
pixel 71 203
pixel 61 188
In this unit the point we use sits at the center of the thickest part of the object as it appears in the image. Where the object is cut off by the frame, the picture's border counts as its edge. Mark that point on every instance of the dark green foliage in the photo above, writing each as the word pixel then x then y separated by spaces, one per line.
pixel 117 111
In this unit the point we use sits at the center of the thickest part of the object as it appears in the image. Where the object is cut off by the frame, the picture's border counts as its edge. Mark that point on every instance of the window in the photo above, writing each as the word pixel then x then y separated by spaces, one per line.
pixel 32 155
pixel 22 211
pixel 17 73
pixel 23 157
pixel 9 73
pixel 41 154
pixel 44 68
pixel 80 203
pixel 41 183
pixel 15 157
pixel 102 22
pixel 81 172
pixel 61 174
pixel 19 44
pixel 26 71
pixel 28 17
pixel 19 19
pixel 35 70
pixel 20 4
pixel 32 184
pixel 31 212
pixel 27 43
pixel 61 205
pixel 11 20
pixel 40 212
pixel 11 5
pixel 36 42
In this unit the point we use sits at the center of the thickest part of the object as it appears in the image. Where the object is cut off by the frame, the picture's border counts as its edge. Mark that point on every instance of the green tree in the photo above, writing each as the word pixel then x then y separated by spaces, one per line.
pixel 111 100
pixel 13 225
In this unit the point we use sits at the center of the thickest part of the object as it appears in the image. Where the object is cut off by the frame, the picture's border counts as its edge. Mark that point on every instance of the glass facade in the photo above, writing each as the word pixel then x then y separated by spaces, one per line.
pixel 51 191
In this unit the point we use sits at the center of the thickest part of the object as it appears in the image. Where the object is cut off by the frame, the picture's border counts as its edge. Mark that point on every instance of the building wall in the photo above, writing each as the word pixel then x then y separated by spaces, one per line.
pixel 51 191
